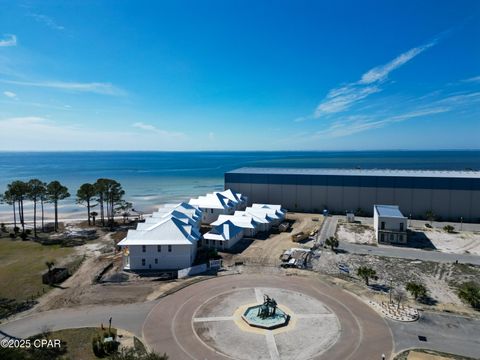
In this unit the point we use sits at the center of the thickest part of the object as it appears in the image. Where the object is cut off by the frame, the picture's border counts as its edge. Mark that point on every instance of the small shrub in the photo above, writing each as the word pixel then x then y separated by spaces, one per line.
pixel 469 292
pixel 449 228
pixel 28 232
pixel 12 236
pixel 16 229
pixel 23 236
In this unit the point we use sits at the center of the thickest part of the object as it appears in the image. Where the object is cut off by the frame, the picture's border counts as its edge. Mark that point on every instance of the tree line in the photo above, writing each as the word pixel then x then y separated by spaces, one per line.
pixel 105 193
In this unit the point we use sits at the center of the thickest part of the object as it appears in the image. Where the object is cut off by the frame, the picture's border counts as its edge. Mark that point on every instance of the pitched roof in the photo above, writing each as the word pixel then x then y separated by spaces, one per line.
pixel 169 231
pixel 223 232
pixel 245 222
pixel 388 211
pixel 212 201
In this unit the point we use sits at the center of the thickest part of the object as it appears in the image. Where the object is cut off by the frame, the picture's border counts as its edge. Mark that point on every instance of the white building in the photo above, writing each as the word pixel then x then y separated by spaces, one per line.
pixel 223 236
pixel 169 244
pixel 390 224
pixel 247 223
pixel 261 218
pixel 213 205
pixel 240 201
pixel 275 211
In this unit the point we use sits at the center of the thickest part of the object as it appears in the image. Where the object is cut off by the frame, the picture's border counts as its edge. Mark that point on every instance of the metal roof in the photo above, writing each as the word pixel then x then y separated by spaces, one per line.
pixel 467 174
pixel 389 211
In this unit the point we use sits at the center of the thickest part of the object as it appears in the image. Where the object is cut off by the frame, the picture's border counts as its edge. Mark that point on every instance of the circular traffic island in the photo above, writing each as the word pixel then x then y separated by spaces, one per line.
pixel 266 317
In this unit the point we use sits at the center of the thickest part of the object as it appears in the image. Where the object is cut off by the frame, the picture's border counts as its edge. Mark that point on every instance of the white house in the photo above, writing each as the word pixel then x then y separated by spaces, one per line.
pixel 247 223
pixel 274 211
pixel 223 236
pixel 240 201
pixel 181 210
pixel 213 205
pixel 261 218
pixel 169 244
pixel 390 224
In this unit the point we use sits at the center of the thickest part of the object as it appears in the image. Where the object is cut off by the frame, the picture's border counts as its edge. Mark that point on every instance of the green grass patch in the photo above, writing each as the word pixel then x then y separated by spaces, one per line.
pixel 22 264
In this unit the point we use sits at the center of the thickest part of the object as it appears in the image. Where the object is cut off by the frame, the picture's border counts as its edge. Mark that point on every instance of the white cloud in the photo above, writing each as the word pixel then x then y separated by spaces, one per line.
pixel 93 87
pixel 359 123
pixel 153 129
pixel 473 79
pixel 39 133
pixel 341 98
pixel 48 21
pixel 10 94
pixel 380 73
pixel 8 40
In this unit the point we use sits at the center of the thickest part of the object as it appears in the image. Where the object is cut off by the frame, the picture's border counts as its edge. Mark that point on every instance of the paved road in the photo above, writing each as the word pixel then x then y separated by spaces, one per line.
pixel 409 253
pixel 329 226
pixel 129 317
pixel 448 333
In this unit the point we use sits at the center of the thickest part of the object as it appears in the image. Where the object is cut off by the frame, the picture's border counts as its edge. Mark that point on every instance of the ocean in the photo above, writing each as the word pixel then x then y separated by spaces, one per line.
pixel 154 178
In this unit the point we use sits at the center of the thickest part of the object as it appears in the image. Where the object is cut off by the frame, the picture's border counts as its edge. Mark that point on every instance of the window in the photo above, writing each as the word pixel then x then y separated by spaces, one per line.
pixel 156 261
pixel 391 237
pixel 382 237
pixel 206 241
pixel 143 262
pixel 144 248
pixel 159 248
pixel 169 248
pixel 382 226
pixel 211 211
pixel 401 226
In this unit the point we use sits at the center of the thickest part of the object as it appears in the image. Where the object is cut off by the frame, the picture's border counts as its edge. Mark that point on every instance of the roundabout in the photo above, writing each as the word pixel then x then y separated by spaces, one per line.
pixel 207 321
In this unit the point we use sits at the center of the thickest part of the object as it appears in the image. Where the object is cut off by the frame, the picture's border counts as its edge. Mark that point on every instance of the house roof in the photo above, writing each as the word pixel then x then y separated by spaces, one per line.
pixel 212 201
pixel 388 211
pixel 169 231
pixel 245 222
pixel 270 207
pixel 223 232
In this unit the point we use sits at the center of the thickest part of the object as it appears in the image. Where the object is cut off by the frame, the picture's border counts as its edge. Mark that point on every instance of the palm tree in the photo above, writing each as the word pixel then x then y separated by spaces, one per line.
pixel 430 216
pixel 332 241
pixel 416 289
pixel 366 273
pixel 55 193
pixel 35 190
pixel 85 194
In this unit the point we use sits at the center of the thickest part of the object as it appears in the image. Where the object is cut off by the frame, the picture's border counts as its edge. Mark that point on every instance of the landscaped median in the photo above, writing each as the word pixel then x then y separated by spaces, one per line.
pixel 86 343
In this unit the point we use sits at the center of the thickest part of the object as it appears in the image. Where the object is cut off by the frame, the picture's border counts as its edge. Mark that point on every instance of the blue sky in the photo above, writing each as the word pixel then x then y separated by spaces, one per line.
pixel 239 75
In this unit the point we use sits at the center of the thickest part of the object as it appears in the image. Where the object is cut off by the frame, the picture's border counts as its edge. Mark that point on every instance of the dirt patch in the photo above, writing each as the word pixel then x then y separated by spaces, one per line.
pixel 464 242
pixel 267 250
pixel 441 279
pixel 356 233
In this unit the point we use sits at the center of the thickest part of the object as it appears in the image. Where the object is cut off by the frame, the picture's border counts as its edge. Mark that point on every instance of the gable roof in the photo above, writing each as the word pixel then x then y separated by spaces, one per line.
pixel 388 211
pixel 223 232
pixel 245 222
pixel 169 231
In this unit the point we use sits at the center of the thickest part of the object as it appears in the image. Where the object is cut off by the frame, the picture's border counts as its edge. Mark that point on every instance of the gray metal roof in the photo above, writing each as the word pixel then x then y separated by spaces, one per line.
pixel 468 174
pixel 388 211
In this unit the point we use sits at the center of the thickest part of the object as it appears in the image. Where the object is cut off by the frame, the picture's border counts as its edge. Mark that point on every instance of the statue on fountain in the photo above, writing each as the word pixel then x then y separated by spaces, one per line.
pixel 268 308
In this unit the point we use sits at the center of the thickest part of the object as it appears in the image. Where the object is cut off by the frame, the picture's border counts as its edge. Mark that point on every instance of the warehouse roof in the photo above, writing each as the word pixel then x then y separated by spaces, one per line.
pixel 359 172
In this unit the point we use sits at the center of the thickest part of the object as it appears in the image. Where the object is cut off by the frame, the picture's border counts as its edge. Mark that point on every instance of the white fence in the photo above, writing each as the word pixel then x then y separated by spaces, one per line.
pixel 192 270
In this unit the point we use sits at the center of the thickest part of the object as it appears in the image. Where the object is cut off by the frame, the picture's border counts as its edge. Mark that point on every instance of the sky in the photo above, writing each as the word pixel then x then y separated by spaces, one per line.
pixel 239 75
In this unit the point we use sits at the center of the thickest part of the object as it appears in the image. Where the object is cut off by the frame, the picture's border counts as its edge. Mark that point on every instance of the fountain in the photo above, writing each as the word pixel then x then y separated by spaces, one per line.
pixel 266 315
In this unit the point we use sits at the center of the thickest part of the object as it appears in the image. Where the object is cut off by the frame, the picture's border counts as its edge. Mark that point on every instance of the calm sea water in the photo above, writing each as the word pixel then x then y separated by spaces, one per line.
pixel 153 178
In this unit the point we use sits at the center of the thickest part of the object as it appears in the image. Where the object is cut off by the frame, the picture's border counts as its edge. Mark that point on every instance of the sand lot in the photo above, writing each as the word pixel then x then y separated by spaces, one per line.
pixel 459 243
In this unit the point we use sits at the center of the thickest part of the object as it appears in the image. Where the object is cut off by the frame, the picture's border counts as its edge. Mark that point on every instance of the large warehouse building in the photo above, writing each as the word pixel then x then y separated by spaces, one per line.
pixel 450 195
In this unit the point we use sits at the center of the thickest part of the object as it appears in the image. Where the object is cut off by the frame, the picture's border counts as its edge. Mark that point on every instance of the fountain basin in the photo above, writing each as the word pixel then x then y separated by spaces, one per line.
pixel 250 316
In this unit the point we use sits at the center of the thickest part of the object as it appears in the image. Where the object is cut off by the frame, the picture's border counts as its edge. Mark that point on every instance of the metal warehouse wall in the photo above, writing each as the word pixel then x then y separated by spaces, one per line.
pixel 449 198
